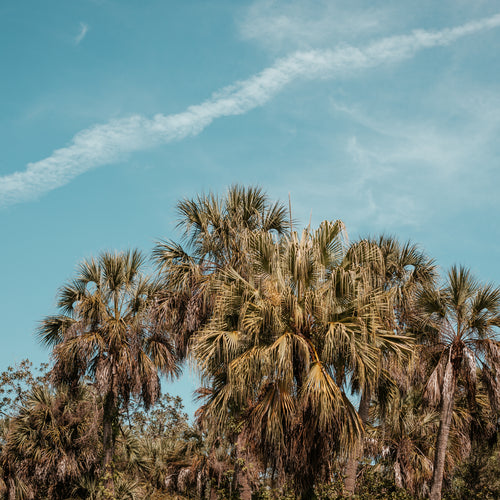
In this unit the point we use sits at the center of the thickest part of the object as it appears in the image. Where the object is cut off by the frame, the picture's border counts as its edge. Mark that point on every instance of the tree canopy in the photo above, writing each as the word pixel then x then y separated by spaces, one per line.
pixel 327 369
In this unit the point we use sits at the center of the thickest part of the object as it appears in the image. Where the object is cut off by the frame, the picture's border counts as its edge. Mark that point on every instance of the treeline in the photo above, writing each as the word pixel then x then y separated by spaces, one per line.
pixel 328 369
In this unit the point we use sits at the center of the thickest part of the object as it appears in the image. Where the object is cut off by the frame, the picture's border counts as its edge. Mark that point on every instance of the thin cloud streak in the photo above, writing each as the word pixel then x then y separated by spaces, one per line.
pixel 107 143
pixel 84 28
pixel 278 24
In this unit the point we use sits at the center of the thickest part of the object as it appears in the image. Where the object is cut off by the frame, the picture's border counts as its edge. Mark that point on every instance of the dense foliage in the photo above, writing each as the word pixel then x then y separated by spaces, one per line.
pixel 327 370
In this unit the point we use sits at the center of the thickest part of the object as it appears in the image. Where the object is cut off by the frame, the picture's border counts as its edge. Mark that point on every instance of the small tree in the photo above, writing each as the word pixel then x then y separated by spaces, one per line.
pixel 50 442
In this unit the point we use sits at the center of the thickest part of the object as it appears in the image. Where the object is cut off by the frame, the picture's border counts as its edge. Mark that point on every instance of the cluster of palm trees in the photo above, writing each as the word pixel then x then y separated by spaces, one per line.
pixel 318 359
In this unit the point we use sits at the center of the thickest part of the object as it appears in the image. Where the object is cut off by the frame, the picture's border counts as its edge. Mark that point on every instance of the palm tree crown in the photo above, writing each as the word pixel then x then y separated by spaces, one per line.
pixel 216 231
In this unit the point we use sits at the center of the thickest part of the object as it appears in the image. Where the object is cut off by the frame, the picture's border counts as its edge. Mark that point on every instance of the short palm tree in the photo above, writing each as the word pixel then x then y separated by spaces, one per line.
pixel 464 315
pixel 105 332
pixel 51 442
pixel 402 438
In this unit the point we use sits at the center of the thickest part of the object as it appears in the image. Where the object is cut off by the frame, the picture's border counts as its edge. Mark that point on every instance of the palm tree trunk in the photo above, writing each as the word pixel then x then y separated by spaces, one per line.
pixel 398 478
pixel 242 475
pixel 213 493
pixel 308 493
pixel 108 443
pixel 353 461
pixel 11 493
pixel 447 398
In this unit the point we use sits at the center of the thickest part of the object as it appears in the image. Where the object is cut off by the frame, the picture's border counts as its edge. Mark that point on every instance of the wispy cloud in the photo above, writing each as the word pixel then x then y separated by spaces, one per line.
pixel 405 169
pixel 277 24
pixel 84 28
pixel 107 143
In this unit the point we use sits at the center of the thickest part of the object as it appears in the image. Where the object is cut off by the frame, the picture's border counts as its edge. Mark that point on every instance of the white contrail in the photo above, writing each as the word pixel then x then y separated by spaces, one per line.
pixel 104 144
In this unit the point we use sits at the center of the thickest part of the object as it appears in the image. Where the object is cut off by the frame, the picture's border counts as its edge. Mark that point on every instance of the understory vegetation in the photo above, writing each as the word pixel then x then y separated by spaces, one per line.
pixel 328 369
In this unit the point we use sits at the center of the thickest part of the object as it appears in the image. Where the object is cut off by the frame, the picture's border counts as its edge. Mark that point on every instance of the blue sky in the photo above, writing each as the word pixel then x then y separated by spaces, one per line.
pixel 385 115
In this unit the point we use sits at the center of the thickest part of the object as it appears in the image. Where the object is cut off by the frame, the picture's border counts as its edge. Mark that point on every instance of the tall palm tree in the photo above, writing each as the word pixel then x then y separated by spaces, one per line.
pixel 276 350
pixel 464 315
pixel 215 233
pixel 104 331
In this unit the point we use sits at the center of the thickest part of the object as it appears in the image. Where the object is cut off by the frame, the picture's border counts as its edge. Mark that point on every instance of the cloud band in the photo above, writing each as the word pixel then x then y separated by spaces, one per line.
pixel 107 143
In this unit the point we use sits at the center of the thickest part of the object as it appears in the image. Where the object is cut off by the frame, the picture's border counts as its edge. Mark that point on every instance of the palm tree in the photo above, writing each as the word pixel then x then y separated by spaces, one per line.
pixel 51 442
pixel 104 331
pixel 215 233
pixel 406 270
pixel 277 347
pixel 400 270
pixel 401 440
pixel 464 315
